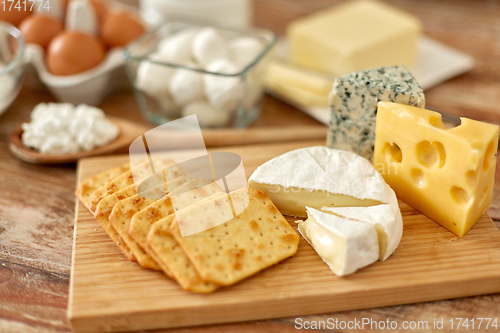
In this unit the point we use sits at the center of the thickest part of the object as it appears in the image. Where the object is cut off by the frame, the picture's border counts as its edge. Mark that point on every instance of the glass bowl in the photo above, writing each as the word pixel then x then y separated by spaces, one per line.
pixel 221 95
pixel 12 64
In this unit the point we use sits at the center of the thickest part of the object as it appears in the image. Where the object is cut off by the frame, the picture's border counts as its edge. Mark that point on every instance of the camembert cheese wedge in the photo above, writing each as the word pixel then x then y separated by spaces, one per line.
pixel 320 176
pixel 344 245
pixel 446 173
pixel 386 219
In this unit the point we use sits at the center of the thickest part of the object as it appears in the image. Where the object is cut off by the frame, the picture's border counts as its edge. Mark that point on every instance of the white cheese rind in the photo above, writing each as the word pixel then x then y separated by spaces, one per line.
pixel 321 168
pixel 353 104
pixel 344 245
pixel 388 217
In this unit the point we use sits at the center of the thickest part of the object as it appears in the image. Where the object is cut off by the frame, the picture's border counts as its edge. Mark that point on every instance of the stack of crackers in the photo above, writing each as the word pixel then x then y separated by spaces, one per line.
pixel 147 226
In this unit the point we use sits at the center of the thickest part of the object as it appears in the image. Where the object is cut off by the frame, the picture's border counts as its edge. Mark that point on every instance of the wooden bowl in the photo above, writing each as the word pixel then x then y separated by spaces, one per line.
pixel 128 133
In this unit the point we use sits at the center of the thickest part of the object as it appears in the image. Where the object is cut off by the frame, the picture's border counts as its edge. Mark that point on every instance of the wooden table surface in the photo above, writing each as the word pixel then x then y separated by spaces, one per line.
pixel 37 203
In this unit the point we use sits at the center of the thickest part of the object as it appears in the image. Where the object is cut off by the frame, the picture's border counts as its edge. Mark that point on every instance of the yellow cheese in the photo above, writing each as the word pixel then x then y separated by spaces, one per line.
pixel 292 201
pixel 446 173
pixel 300 78
pixel 354 36
pixel 296 95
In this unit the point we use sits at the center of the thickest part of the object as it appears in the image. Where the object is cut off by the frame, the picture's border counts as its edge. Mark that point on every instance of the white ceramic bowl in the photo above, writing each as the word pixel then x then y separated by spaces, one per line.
pixel 12 64
pixel 89 87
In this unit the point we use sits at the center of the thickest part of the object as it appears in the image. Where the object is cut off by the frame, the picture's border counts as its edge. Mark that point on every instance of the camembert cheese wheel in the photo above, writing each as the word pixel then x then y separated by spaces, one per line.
pixel 320 176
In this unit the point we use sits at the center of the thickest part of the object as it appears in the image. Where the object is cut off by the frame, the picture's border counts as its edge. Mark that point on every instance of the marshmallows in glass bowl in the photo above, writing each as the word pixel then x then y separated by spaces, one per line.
pixel 181 69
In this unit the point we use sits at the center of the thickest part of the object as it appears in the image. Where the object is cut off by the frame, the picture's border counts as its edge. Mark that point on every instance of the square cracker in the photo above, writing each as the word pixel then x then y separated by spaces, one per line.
pixel 169 255
pixel 186 194
pixel 255 239
pixel 104 209
pixel 89 186
pixel 141 172
pixel 122 213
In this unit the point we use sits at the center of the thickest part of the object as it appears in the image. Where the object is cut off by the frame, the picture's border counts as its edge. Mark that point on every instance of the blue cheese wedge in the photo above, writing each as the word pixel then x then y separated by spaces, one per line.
pixel 353 103
pixel 344 245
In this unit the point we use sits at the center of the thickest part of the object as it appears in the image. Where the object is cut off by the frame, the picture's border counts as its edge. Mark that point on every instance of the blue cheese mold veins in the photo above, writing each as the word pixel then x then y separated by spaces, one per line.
pixel 353 103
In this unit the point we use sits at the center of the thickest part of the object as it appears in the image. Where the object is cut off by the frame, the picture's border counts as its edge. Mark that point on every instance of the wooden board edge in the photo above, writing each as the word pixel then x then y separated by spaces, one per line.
pixel 308 305
pixel 69 310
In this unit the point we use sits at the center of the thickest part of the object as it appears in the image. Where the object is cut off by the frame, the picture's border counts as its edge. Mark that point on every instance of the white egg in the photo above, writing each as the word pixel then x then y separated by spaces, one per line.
pixel 244 50
pixel 178 46
pixel 207 115
pixel 153 78
pixel 186 86
pixel 209 45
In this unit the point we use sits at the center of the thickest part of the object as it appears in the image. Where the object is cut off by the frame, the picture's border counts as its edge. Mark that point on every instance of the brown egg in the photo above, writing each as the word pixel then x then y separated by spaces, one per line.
pixel 65 5
pixel 14 16
pixel 101 10
pixel 40 29
pixel 72 52
pixel 119 29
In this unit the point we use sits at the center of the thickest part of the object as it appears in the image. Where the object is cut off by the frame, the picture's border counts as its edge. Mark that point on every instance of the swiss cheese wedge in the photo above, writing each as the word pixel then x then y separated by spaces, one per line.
pixel 446 173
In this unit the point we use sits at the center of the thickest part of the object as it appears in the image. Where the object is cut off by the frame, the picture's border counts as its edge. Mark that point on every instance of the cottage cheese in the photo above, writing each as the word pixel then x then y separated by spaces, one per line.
pixel 66 129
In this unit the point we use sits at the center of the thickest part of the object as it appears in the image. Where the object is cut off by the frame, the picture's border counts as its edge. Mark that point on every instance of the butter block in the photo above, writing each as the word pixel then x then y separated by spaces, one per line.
pixel 306 80
pixel 445 173
pixel 353 103
pixel 354 36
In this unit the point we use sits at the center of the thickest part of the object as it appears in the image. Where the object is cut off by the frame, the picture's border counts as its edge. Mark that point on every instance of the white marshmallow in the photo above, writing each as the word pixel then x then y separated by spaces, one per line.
pixel 154 79
pixel 209 45
pixel 186 86
pixel 218 83
pixel 207 115
pixel 223 92
pixel 178 46
pixel 227 100
pixel 244 50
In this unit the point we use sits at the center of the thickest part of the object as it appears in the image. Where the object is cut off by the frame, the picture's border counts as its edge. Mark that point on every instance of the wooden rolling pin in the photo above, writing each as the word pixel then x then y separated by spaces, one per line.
pixel 236 137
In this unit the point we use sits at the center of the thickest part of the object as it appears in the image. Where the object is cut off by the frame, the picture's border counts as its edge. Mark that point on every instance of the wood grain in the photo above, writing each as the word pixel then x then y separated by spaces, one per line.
pixel 37 204
pixel 109 293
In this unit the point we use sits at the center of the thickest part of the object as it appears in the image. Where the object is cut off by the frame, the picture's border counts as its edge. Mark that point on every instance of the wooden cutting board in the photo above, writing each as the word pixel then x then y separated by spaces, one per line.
pixel 110 293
